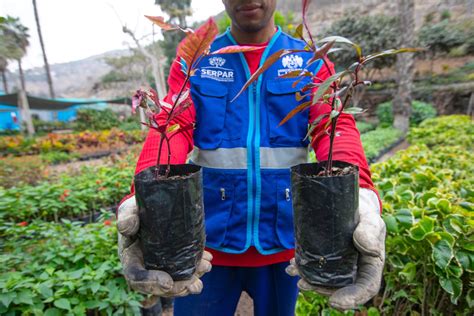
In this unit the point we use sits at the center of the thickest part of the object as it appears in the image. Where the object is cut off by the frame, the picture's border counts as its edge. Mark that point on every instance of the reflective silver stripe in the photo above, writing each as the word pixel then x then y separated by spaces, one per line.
pixel 236 158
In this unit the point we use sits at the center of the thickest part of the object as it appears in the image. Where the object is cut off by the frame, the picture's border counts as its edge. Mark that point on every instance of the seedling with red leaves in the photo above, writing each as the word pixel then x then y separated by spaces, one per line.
pixel 191 50
pixel 337 90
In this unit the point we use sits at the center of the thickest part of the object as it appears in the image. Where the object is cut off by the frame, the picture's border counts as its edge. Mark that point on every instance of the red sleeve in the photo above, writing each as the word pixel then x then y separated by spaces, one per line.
pixel 180 144
pixel 347 143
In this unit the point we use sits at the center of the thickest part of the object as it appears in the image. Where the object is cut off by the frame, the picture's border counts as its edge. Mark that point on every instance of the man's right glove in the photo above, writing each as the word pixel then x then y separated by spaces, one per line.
pixel 157 283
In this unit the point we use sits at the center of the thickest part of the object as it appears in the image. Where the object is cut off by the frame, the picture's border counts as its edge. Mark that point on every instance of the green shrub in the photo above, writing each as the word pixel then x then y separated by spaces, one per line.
pixel 428 200
pixel 443 131
pixel 63 269
pixel 95 120
pixel 428 207
pixel 16 171
pixel 420 112
pixel 374 142
pixel 70 195
pixel 364 127
pixel 56 157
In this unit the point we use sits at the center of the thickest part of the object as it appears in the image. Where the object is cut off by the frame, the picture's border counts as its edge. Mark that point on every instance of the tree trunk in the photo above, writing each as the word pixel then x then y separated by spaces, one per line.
pixel 22 75
pixel 5 83
pixel 403 97
pixel 46 64
pixel 26 120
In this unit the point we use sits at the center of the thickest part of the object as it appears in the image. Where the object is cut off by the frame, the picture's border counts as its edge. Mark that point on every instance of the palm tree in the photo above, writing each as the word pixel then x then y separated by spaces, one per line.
pixel 14 37
pixel 14 41
pixel 46 64
pixel 403 97
pixel 3 69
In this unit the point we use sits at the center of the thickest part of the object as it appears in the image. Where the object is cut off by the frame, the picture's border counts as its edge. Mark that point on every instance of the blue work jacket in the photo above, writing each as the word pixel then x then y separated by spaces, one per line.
pixel 244 154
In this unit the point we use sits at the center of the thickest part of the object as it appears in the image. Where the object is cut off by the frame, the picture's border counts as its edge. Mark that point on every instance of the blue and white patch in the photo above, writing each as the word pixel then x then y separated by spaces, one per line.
pixel 215 71
pixel 290 63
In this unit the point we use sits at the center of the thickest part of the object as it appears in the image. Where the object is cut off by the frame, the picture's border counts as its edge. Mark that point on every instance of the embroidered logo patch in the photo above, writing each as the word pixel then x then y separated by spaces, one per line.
pixel 216 72
pixel 290 63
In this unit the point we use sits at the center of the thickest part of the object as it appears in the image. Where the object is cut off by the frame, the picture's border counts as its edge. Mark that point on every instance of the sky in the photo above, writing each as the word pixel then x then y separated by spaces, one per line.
pixel 77 29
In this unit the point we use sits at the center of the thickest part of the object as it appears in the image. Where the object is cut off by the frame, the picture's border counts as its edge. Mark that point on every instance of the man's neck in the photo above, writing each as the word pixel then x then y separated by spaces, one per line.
pixel 260 37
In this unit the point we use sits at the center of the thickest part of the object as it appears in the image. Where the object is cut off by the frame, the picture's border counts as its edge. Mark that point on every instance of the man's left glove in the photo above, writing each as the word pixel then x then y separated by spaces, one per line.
pixel 369 239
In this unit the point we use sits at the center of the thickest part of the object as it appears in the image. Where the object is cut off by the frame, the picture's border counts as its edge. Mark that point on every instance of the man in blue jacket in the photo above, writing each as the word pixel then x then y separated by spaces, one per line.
pixel 246 160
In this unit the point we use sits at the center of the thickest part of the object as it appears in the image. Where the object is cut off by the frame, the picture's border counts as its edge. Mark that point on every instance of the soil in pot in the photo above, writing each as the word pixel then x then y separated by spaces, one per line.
pixel 171 219
pixel 325 213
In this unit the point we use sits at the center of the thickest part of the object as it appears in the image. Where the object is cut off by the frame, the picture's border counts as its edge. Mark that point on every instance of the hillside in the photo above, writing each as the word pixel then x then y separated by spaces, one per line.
pixel 75 79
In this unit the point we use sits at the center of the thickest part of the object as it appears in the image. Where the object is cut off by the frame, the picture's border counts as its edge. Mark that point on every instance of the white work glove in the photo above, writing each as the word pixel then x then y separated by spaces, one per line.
pixel 157 283
pixel 369 239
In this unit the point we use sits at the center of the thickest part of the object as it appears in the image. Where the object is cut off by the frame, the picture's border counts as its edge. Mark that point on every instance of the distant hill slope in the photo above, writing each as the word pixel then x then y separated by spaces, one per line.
pixel 74 79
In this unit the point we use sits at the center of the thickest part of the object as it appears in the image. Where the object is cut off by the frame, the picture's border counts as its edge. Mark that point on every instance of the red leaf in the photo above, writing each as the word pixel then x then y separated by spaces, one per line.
pixel 321 52
pixel 236 49
pixel 297 73
pixel 160 21
pixel 296 110
pixel 194 45
pixel 270 61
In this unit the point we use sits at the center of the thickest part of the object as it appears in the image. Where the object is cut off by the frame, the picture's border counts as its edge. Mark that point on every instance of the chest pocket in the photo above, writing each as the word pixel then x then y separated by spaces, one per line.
pixel 210 101
pixel 280 101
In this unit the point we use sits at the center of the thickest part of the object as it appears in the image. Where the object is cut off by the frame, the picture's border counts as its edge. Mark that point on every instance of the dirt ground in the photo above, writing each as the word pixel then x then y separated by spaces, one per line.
pixel 401 146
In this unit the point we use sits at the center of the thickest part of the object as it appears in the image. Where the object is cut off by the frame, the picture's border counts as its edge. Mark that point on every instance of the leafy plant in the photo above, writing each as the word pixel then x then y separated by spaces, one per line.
pixel 376 141
pixel 334 90
pixel 444 131
pixel 420 112
pixel 70 195
pixel 373 33
pixel 65 268
pixel 191 50
pixel 428 202
pixel 95 120
pixel 364 127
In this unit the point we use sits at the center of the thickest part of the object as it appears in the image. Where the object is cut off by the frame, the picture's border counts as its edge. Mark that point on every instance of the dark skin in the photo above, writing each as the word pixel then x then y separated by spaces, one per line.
pixel 252 20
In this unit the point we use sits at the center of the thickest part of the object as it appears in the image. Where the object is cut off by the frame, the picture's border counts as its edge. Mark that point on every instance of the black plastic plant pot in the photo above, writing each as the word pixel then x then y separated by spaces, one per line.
pixel 171 219
pixel 324 213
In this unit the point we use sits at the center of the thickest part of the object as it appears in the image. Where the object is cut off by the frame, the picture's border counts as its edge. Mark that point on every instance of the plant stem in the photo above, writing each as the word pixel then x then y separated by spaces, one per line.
pixel 162 139
pixel 168 167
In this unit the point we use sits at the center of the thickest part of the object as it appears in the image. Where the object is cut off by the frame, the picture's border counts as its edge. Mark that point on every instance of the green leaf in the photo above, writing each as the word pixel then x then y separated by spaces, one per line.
pixel 76 274
pixel 340 39
pixel 422 228
pixel 6 298
pixel 404 217
pixel 173 128
pixel 354 110
pixel 444 206
pixel 452 286
pixel 468 246
pixel 62 303
pixel 53 312
pixel 408 272
pixel 95 287
pixel 324 86
pixel 391 223
pixel 372 311
pixel 442 253
pixel 470 298
pixel 45 290
pixel 466 260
